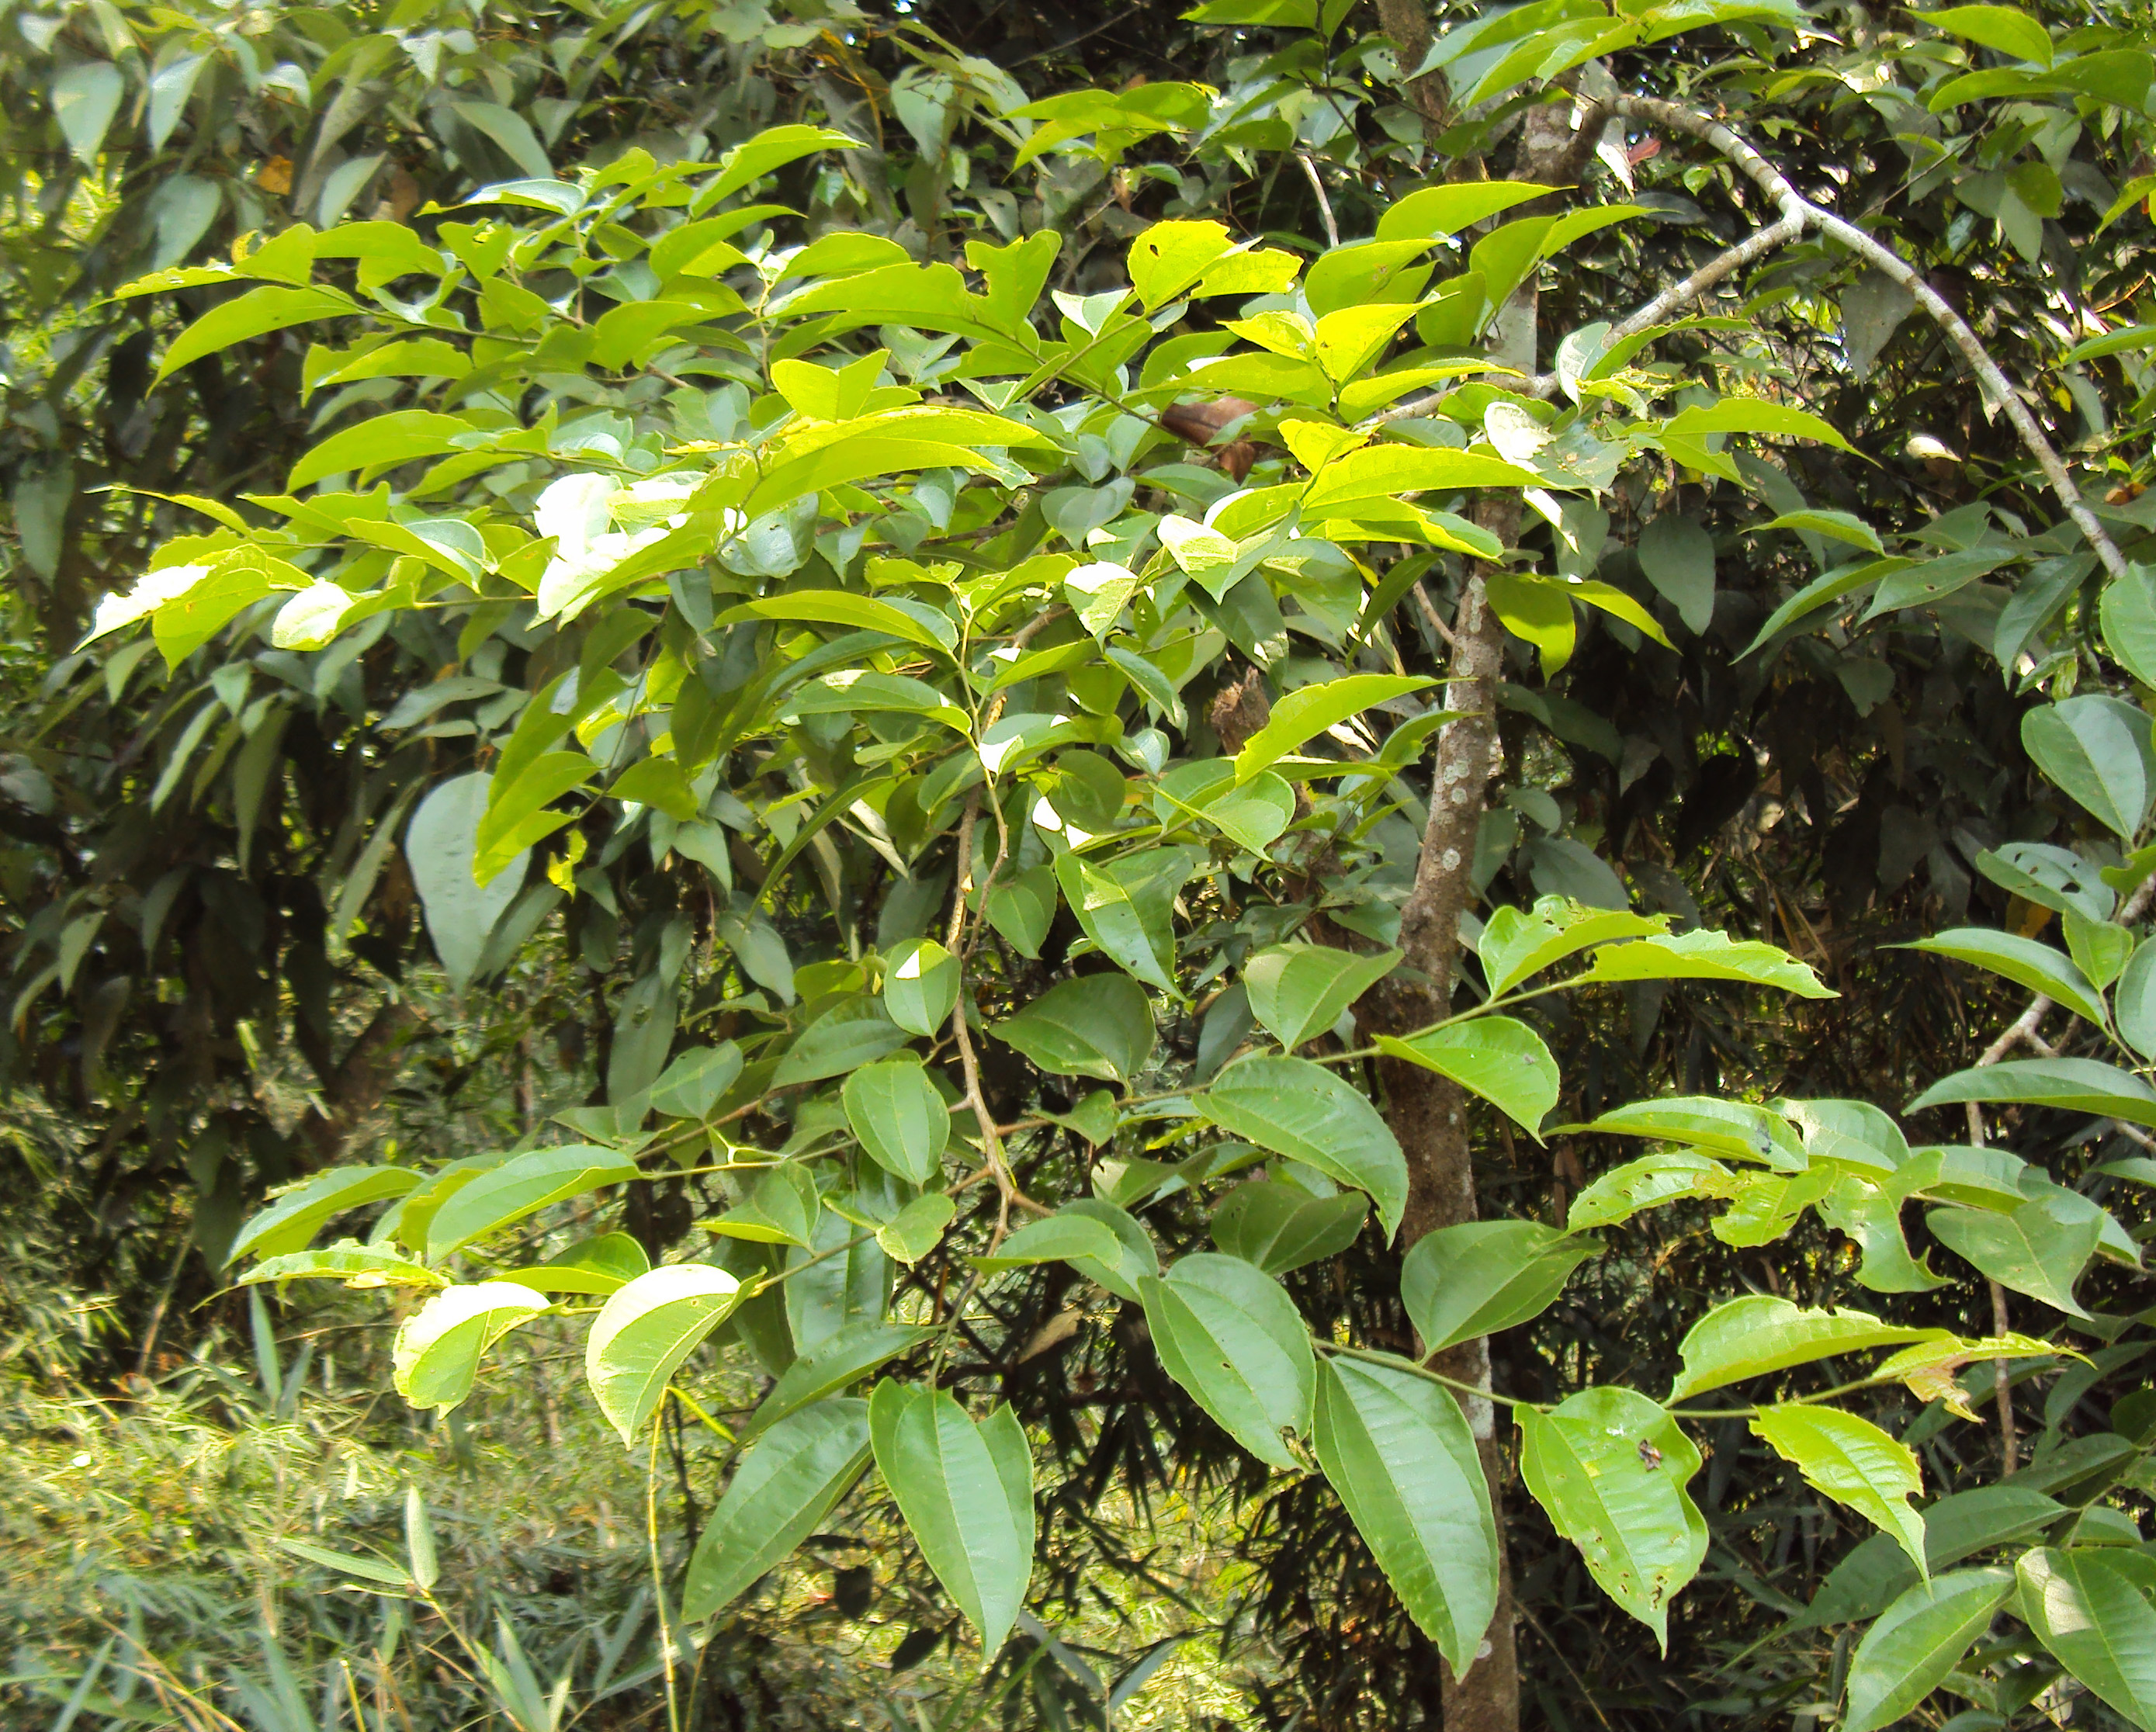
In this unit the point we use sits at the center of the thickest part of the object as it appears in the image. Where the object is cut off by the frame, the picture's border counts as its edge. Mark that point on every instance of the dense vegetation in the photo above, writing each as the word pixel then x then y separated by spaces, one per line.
pixel 893 865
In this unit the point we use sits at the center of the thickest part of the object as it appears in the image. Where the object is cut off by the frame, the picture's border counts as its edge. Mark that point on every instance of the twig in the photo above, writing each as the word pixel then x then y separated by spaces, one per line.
pixel 1324 204
pixel 1429 614
pixel 962 1037
pixel 2023 1027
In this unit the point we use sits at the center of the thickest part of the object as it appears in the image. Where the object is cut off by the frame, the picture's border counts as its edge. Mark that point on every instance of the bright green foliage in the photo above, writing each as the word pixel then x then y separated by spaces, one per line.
pixel 1611 1467
pixel 866 600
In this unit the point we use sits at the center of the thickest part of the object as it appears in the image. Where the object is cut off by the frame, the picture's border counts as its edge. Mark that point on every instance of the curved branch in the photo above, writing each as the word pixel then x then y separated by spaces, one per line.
pixel 1795 207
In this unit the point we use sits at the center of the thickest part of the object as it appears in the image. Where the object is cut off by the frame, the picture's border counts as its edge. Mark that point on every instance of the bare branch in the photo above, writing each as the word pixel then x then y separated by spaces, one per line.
pixel 1795 207
pixel 1324 204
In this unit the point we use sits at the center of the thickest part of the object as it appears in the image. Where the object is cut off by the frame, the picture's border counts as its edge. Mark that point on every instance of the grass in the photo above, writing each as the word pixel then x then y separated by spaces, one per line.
pixel 140 1537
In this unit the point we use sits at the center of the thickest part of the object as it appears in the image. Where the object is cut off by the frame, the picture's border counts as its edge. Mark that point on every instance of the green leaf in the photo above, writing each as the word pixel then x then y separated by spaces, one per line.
pixel 348 1261
pixel 1226 1332
pixel 2128 613
pixel 1706 955
pixel 917 1228
pixel 294 1218
pixel 1169 258
pixel 645 1331
pixel 778 1496
pixel 1299 990
pixel 2083 1085
pixel 1303 1110
pixel 522 1186
pixel 1734 1128
pixel 519 809
pixel 853 1034
pixel 1619 1195
pixel 773 148
pixel 1279 1225
pixel 442 846
pixel 600 1266
pixel 1478 1276
pixel 1445 210
pixel 1385 472
pixel 2091 1608
pixel 783 1209
pixel 1827 588
pixel 1751 1336
pixel 2089 750
pixel 1503 1060
pixel 1398 1450
pixel 252 315
pixel 1099 1026
pixel 1126 906
pixel 1839 524
pixel 695 1081
pixel 1611 1467
pixel 2013 32
pixel 2100 949
pixel 1516 945
pixel 920 986
pixel 1853 1461
pixel 967 1493
pixel 659 783
pixel 842 1358
pixel 840 1275
pixel 509 130
pixel 344 1563
pixel 84 98
pixel 1536 610
pixel 1917 1641
pixel 1877 1572
pixel 436 1354
pixel 2134 1000
pixel 2022 961
pixel 900 1117
pixel 1309 711
pixel 1755 416
pixel 378 443
pixel 2038 1249
pixel 1677 556
pixel 1117 1262
pixel 1021 909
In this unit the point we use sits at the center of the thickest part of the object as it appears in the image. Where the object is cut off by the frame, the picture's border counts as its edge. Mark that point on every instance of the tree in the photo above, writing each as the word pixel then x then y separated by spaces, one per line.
pixel 917 753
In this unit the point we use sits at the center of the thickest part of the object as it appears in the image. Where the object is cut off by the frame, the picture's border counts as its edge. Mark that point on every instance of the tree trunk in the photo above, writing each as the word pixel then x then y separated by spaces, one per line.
pixel 1427 1113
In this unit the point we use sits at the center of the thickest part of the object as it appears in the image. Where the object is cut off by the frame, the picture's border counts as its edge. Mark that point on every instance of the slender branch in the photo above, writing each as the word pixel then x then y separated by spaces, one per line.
pixel 1799 214
pixel 1796 207
pixel 1755 245
pixel 1435 620
pixel 1324 204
